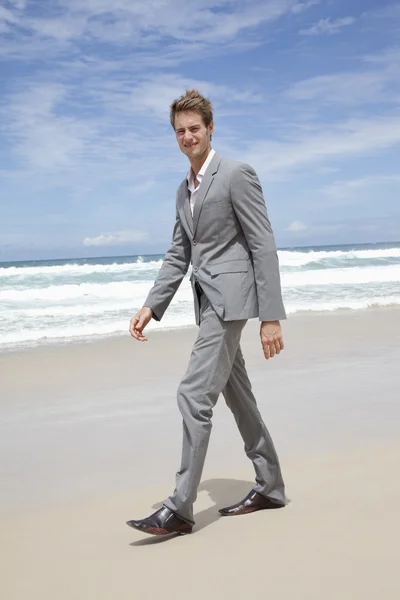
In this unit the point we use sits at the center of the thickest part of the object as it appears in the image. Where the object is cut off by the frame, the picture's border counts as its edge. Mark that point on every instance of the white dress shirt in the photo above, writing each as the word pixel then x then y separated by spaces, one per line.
pixel 191 182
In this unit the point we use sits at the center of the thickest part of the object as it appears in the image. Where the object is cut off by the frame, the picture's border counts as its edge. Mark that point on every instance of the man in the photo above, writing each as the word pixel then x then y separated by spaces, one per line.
pixel 223 230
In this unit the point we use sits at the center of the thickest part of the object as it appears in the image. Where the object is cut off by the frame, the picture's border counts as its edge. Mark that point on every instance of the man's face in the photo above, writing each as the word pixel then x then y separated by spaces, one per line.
pixel 193 137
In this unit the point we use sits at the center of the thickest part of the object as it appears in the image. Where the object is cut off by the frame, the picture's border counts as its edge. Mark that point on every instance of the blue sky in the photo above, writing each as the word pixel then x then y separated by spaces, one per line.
pixel 308 92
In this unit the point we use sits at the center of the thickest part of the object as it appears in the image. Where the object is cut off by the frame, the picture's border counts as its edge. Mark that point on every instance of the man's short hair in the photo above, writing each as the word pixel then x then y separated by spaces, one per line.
pixel 192 101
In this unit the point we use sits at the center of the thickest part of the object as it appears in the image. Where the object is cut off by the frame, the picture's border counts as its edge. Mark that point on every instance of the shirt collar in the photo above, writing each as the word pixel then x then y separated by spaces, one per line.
pixel 202 172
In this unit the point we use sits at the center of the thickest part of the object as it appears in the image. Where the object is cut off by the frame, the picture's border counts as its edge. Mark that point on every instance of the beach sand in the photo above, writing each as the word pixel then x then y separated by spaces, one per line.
pixel 90 437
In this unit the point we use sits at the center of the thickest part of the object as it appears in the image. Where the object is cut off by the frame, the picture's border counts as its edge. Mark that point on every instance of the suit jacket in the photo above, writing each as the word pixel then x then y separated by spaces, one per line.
pixel 230 243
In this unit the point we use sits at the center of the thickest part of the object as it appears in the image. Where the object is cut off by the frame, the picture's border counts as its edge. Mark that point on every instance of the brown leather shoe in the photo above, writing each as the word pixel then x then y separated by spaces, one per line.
pixel 162 522
pixel 253 501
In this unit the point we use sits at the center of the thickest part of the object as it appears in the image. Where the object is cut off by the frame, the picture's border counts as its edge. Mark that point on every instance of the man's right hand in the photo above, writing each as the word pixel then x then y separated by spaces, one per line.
pixel 139 322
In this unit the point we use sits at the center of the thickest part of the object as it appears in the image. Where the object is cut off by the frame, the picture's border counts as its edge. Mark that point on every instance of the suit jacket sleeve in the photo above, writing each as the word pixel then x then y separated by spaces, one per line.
pixel 174 268
pixel 249 205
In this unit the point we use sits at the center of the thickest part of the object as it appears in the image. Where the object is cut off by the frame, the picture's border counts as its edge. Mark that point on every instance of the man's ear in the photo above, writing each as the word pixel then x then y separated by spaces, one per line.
pixel 211 130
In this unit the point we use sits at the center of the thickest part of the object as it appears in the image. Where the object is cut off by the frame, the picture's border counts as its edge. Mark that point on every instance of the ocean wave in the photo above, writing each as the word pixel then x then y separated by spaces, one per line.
pixel 343 304
pixel 92 292
pixel 50 303
pixel 76 270
pixel 88 292
pixel 349 276
pixel 97 329
pixel 67 332
pixel 289 258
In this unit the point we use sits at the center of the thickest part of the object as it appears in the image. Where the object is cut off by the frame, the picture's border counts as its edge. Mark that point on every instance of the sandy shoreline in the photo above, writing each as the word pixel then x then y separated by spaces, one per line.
pixel 90 437
pixel 338 538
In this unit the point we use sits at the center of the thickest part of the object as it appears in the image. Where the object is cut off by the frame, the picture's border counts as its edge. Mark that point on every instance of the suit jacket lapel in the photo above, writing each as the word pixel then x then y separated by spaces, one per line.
pixel 203 190
pixel 185 203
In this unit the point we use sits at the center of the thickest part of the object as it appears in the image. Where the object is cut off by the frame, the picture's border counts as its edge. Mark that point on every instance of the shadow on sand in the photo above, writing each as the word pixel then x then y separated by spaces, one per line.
pixel 223 492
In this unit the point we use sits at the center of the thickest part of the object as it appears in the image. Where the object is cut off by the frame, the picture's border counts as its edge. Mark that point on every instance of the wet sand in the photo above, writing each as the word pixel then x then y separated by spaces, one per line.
pixel 90 437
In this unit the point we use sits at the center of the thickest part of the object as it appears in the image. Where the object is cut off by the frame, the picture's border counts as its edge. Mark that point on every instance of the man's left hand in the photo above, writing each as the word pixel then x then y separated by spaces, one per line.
pixel 271 338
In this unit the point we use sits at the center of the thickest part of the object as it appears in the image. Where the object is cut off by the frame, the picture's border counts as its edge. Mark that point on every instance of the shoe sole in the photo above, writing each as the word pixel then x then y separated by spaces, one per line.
pixel 246 511
pixel 160 531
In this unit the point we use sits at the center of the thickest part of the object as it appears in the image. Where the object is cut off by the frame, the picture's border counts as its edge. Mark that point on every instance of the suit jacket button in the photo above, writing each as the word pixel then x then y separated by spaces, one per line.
pixel 195 269
pixel 194 242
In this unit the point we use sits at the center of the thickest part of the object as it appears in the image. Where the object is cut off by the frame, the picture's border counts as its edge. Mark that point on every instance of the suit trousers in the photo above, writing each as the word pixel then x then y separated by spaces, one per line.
pixel 216 365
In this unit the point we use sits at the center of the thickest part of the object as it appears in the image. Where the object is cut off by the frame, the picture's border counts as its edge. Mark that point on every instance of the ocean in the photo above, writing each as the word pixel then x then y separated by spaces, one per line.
pixel 49 301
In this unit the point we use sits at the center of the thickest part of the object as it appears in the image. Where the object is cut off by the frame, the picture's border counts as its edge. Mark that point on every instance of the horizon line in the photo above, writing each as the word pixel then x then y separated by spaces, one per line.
pixel 283 248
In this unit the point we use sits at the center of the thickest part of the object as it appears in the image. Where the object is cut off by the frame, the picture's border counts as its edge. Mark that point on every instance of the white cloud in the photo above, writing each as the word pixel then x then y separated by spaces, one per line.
pixel 302 6
pixel 353 137
pixel 349 88
pixel 19 4
pixel 44 136
pixel 68 28
pixel 326 26
pixel 153 95
pixel 390 11
pixel 296 227
pixel 141 188
pixel 255 14
pixel 122 135
pixel 301 231
pixel 156 33
pixel 144 23
pixel 390 55
pixel 7 16
pixel 118 238
pixel 85 115
pixel 346 189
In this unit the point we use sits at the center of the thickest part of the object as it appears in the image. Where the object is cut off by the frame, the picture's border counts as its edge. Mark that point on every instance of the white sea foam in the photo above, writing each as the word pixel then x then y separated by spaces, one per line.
pixel 98 328
pixel 90 330
pixel 343 303
pixel 287 258
pixel 350 276
pixel 91 292
pixel 64 302
pixel 73 269
pixel 88 291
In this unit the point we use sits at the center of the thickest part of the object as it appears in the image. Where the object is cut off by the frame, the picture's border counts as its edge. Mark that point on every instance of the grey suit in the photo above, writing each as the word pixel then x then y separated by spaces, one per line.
pixel 235 277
